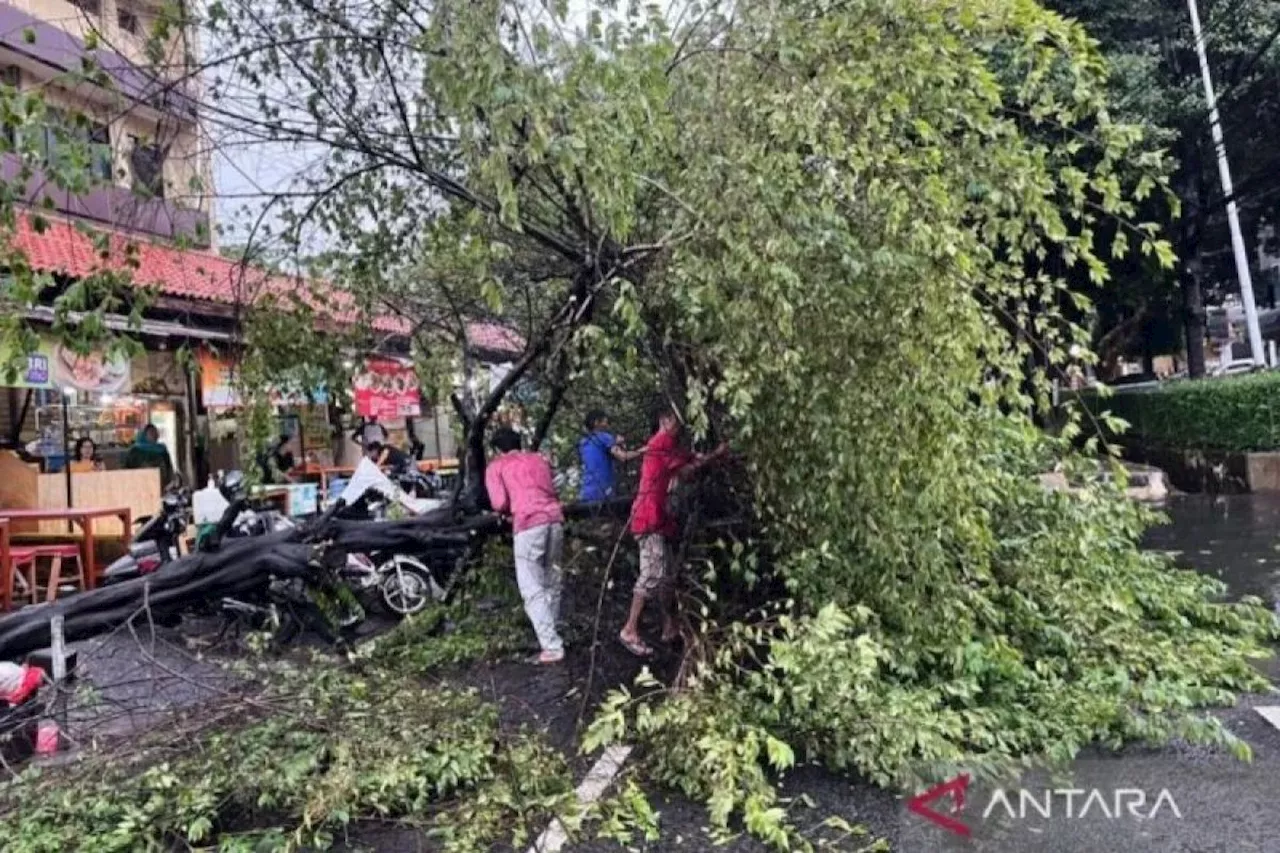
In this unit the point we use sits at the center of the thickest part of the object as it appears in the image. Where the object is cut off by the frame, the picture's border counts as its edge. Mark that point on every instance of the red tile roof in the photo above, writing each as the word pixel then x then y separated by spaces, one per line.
pixel 205 276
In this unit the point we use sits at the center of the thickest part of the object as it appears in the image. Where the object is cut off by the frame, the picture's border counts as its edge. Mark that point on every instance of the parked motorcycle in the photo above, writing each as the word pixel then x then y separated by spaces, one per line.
pixel 404 584
pixel 156 541
pixel 240 518
pixel 316 600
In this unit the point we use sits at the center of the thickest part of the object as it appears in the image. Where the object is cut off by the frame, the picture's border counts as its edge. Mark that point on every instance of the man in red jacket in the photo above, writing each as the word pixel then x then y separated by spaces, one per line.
pixel 655 528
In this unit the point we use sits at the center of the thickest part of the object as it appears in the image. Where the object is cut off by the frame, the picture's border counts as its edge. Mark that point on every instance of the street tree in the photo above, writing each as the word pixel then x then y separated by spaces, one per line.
pixel 1155 79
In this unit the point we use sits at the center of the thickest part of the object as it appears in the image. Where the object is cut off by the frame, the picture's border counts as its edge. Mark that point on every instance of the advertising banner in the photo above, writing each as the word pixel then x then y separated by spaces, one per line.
pixel 386 389
pixel 55 366
pixel 217 386
pixel 218 389
pixel 93 372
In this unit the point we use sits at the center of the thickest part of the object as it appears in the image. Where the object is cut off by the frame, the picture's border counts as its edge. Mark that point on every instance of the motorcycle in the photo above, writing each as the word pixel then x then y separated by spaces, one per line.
pixel 291 604
pixel 239 518
pixel 404 584
pixel 156 541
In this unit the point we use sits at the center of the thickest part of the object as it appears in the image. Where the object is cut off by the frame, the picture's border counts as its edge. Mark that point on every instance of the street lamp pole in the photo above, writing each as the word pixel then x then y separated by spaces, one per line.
pixel 1233 215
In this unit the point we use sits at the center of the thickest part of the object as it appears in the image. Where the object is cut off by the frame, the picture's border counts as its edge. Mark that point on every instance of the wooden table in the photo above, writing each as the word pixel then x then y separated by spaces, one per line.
pixel 81 516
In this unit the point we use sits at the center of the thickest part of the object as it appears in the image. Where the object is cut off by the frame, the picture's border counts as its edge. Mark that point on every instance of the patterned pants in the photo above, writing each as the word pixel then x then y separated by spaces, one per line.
pixel 656 565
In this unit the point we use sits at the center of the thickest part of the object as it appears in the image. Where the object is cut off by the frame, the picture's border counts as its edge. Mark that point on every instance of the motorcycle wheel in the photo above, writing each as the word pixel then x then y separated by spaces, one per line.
pixel 407 586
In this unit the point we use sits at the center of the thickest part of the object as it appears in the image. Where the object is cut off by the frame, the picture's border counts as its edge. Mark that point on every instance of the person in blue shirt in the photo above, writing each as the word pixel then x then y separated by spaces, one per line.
pixel 598 449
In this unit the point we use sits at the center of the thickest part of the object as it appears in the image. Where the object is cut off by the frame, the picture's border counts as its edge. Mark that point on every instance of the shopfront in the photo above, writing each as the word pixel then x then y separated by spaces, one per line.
pixel 304 419
pixel 64 397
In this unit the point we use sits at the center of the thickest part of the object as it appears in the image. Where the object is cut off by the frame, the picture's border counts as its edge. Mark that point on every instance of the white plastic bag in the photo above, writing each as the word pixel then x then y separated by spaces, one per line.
pixel 208 505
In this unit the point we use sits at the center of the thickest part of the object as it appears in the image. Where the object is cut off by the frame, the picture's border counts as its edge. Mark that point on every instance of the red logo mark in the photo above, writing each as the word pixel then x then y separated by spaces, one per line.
pixel 953 788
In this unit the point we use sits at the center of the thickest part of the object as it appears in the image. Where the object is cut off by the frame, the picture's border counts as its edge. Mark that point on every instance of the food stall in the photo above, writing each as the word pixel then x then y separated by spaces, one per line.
pixel 303 418
pixel 107 400
pixel 69 396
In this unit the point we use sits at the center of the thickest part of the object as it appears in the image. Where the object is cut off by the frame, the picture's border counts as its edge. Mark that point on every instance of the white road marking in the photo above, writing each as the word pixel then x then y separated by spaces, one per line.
pixel 597 781
pixel 1270 713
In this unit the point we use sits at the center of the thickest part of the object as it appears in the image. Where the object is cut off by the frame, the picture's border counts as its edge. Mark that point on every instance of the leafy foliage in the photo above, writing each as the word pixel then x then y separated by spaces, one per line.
pixel 846 229
pixel 1236 413
pixel 350 746
pixel 1156 81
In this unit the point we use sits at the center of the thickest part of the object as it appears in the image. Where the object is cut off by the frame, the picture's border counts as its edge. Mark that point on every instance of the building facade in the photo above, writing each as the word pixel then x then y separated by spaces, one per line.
pixel 108 86
pixel 152 160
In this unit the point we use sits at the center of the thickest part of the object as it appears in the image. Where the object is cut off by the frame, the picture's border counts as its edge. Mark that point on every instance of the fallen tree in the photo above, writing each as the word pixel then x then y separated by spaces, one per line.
pixel 245 566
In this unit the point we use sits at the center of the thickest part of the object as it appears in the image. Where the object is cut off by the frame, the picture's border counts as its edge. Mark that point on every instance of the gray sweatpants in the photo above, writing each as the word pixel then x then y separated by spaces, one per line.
pixel 540 580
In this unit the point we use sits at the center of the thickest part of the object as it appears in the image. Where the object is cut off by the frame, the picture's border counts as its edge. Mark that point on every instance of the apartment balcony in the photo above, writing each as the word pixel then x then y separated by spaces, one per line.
pixel 113 206
pixel 139 98
pixel 45 50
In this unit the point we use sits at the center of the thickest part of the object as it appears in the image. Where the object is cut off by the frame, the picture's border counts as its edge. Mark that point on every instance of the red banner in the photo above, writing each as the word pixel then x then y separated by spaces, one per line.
pixel 387 389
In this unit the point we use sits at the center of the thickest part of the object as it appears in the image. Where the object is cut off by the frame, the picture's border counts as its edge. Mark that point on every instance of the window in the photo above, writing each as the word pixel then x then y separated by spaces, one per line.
pixel 92 8
pixel 147 164
pixel 66 136
pixel 127 21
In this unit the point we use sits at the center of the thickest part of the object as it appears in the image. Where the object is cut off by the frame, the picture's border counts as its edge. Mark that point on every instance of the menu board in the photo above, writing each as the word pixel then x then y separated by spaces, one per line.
pixel 315 427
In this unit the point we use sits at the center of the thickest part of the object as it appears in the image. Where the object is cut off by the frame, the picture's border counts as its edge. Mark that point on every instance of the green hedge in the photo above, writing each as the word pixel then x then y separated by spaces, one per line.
pixel 1237 413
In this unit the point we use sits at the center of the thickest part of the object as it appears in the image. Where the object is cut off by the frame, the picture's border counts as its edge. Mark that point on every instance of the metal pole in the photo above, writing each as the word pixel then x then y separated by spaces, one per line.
pixel 1233 216
pixel 66 445
pixel 435 419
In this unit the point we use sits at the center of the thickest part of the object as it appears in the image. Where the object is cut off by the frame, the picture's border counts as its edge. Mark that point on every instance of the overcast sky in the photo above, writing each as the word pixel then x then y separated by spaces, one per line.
pixel 246 177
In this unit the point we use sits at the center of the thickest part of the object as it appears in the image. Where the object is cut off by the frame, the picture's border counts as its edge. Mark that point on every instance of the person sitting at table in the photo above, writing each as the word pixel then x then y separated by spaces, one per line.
pixel 147 451
pixel 85 457
pixel 276 462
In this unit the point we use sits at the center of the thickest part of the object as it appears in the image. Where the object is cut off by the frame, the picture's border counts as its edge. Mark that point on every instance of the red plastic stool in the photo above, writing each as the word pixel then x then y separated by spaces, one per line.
pixel 56 554
pixel 24 570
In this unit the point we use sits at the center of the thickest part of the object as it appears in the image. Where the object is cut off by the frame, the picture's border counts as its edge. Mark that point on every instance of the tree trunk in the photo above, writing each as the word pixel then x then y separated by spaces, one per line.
pixel 471 495
pixel 1195 315
pixel 1191 271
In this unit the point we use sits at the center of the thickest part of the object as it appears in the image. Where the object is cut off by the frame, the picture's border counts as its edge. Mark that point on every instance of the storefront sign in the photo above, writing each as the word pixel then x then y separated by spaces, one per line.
pixel 218 389
pixel 387 389
pixel 35 374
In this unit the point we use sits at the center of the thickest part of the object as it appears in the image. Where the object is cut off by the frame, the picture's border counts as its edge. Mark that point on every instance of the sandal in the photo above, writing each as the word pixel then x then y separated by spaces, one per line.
pixel 548 658
pixel 636 647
